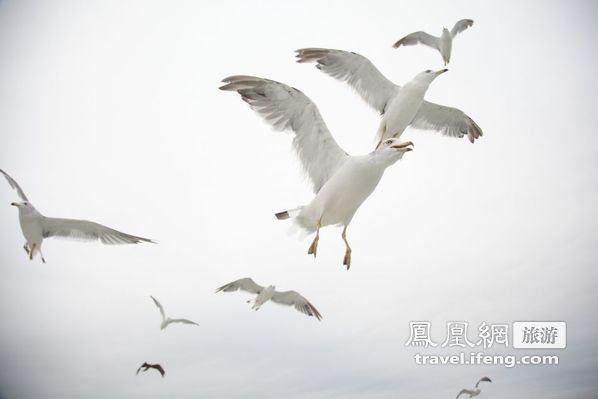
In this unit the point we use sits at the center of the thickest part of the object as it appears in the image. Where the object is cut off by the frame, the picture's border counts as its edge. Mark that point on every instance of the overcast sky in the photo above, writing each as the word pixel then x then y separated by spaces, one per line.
pixel 110 111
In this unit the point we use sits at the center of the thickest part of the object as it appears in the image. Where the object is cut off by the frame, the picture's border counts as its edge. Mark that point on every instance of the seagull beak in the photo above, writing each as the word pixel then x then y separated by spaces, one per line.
pixel 441 71
pixel 404 147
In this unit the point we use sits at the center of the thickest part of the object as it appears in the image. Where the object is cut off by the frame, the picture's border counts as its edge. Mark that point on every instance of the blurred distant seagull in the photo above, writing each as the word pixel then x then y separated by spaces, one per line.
pixel 341 182
pixel 399 106
pixel 289 298
pixel 475 391
pixel 146 366
pixel 167 320
pixel 36 227
pixel 443 44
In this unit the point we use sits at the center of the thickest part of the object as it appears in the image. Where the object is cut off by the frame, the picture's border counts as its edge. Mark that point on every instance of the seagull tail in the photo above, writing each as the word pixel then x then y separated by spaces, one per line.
pixel 291 213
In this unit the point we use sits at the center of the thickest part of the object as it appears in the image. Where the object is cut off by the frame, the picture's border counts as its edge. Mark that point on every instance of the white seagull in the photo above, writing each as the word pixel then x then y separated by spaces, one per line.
pixel 443 44
pixel 167 320
pixel 36 227
pixel 399 106
pixel 341 182
pixel 264 294
pixel 475 391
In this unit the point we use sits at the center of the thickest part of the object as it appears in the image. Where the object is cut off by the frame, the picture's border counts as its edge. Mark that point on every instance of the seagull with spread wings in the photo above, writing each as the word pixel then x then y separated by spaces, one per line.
pixel 400 106
pixel 341 182
pixel 444 43
pixel 146 366
pixel 269 293
pixel 475 391
pixel 36 227
pixel 166 321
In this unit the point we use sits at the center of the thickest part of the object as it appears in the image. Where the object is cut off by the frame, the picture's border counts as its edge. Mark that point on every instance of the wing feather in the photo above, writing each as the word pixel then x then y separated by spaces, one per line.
pixel 417 38
pixel 460 26
pixel 293 298
pixel 15 186
pixel 449 121
pixel 244 284
pixel 159 305
pixel 87 231
pixel 285 107
pixel 183 321
pixel 466 391
pixel 356 70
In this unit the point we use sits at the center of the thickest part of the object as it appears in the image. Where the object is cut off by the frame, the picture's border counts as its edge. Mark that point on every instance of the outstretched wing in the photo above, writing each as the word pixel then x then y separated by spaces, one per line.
pixel 15 186
pixel 183 321
pixel 140 367
pixel 356 70
pixel 160 369
pixel 293 298
pixel 461 26
pixel 86 230
pixel 159 305
pixel 483 379
pixel 449 121
pixel 285 107
pixel 466 391
pixel 244 284
pixel 417 38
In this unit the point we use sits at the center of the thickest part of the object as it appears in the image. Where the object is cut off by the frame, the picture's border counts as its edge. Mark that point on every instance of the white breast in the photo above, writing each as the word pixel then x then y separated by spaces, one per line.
pixel 342 195
pixel 401 111
pixel 31 228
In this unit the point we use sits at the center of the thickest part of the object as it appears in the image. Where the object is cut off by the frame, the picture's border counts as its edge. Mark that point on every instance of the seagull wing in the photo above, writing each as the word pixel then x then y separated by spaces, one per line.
pixel 466 391
pixel 244 284
pixel 183 321
pixel 15 186
pixel 483 379
pixel 285 107
pixel 140 367
pixel 293 298
pixel 160 369
pixel 87 231
pixel 449 121
pixel 461 26
pixel 417 38
pixel 159 305
pixel 356 70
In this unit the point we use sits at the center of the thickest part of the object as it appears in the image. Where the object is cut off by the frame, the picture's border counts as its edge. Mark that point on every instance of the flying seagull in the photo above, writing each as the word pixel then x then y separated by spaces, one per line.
pixel 289 298
pixel 36 227
pixel 475 391
pixel 443 44
pixel 146 366
pixel 341 182
pixel 399 106
pixel 167 320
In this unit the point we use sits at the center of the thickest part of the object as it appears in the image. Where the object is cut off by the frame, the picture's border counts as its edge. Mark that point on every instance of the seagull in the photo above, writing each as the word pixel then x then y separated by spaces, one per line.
pixel 399 106
pixel 475 391
pixel 443 44
pixel 167 320
pixel 341 182
pixel 36 227
pixel 289 298
pixel 146 366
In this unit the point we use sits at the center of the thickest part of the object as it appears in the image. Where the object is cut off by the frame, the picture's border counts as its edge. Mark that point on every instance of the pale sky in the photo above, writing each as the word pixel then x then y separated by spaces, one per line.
pixel 109 111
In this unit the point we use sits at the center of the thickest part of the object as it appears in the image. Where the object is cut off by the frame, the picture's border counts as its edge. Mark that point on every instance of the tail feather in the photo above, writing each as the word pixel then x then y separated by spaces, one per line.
pixel 291 213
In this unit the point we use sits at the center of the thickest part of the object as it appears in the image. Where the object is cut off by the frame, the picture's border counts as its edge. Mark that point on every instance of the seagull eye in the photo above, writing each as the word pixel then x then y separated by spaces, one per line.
pixel 388 142
pixel 428 70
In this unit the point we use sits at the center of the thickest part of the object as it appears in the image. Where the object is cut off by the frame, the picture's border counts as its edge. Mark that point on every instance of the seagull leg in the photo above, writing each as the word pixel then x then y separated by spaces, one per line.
pixel 313 248
pixel 26 248
pixel 31 251
pixel 347 260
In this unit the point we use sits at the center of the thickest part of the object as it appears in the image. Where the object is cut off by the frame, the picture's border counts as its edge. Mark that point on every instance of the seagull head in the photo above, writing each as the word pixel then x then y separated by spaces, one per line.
pixel 25 205
pixel 391 150
pixel 427 76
